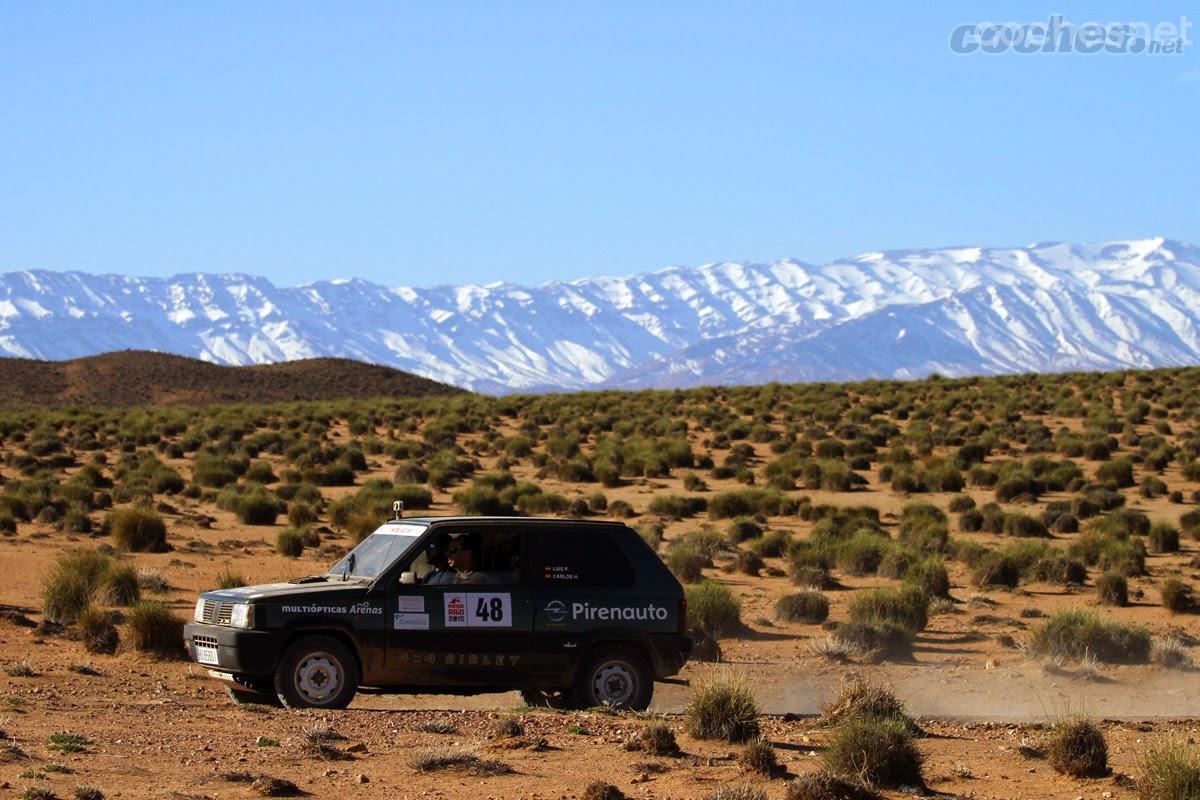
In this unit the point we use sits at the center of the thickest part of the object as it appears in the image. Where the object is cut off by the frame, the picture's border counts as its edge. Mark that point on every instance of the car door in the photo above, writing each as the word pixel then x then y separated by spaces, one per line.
pixel 583 583
pixel 477 631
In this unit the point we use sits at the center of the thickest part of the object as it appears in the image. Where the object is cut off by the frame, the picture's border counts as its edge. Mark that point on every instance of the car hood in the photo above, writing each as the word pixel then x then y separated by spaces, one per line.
pixel 333 590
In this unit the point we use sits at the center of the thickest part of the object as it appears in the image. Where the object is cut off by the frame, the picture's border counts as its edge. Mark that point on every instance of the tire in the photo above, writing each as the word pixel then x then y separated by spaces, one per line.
pixel 617 677
pixel 317 672
pixel 547 698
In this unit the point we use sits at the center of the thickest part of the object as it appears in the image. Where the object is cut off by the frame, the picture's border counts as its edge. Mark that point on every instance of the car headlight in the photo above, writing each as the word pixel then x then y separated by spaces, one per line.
pixel 198 614
pixel 243 615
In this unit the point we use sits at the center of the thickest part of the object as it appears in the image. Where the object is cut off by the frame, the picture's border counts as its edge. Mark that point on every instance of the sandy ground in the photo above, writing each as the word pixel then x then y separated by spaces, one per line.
pixel 163 729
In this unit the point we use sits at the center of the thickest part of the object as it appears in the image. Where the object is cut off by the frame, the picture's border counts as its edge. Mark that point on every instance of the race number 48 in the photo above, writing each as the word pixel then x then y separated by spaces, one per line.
pixel 489 610
pixel 478 610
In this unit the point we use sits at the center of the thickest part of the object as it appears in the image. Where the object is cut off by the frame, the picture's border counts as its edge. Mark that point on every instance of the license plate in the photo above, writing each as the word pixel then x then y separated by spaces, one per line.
pixel 206 654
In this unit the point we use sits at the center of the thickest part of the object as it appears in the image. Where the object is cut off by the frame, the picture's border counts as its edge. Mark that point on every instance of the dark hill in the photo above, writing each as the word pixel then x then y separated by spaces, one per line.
pixel 137 377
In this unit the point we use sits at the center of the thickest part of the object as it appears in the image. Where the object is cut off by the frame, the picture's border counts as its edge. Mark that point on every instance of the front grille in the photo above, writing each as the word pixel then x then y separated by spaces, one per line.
pixel 214 612
pixel 204 641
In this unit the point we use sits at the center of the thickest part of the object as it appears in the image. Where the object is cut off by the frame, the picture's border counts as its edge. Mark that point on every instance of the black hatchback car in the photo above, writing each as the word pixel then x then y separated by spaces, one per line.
pixel 572 613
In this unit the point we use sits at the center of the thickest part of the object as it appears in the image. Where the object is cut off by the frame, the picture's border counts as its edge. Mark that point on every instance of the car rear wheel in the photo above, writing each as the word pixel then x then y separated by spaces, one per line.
pixel 317 672
pixel 617 677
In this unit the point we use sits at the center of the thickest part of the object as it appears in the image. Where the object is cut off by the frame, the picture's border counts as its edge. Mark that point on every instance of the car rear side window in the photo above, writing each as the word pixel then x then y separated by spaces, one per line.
pixel 578 557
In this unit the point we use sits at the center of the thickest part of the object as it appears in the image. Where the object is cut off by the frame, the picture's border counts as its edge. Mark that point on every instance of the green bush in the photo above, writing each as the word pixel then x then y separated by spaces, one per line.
pixel 880 751
pixel 742 530
pixel 862 553
pixel 152 628
pixel 289 542
pixel 120 586
pixel 685 561
pixel 257 508
pixel 713 608
pixel 906 608
pixel 1163 538
pixel 72 584
pixel 809 606
pixel 748 502
pixel 137 530
pixel 1176 595
pixel 1074 634
pixel 930 576
pixel 213 471
pixel 1169 772
pixel 1112 589
pixel 1024 525
pixel 482 501
pixel 1118 472
pixel 673 505
pixel 721 706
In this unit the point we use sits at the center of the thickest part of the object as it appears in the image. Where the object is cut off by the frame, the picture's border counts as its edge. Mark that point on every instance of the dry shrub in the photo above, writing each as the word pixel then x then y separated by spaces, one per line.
pixel 507 726
pixel 599 790
pixel 454 760
pixel 758 755
pixel 860 699
pixel 1076 747
pixel 657 739
pixel 274 787
pixel 97 631
pixel 824 785
pixel 721 706
pixel 743 791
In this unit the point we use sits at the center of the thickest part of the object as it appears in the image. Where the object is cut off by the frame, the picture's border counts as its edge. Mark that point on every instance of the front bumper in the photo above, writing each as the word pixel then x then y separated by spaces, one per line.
pixel 243 652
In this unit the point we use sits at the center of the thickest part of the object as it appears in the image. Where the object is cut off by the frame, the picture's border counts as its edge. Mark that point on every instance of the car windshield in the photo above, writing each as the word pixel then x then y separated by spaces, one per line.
pixel 378 551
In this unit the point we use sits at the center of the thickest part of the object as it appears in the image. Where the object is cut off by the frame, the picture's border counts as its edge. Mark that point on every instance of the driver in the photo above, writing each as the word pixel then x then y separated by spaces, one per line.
pixel 435 554
pixel 463 555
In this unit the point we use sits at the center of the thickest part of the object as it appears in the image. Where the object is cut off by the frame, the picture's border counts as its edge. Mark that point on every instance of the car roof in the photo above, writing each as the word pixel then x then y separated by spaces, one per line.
pixel 510 520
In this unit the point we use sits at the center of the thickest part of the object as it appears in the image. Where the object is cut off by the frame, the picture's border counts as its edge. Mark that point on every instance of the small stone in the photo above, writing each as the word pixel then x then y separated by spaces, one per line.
pixel 362 778
pixel 357 747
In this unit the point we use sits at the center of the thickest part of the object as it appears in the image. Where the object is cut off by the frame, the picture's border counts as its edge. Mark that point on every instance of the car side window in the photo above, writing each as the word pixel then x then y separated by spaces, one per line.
pixel 580 557
pixel 484 557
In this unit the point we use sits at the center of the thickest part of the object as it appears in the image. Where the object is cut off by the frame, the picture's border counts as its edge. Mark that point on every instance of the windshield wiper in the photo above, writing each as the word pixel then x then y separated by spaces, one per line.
pixel 349 567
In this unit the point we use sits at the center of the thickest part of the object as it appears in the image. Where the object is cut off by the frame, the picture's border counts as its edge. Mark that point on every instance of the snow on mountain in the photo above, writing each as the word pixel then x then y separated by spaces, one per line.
pixel 902 314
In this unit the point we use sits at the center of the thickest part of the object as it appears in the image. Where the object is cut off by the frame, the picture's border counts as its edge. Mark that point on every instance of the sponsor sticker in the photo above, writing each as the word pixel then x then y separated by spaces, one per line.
pixel 412 602
pixel 410 622
pixel 478 610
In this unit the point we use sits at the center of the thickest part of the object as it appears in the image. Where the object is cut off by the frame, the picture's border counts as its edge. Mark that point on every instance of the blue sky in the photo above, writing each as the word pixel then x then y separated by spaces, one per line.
pixel 444 143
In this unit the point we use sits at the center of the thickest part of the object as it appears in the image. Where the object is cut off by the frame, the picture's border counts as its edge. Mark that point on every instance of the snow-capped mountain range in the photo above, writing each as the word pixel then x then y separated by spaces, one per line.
pixel 893 314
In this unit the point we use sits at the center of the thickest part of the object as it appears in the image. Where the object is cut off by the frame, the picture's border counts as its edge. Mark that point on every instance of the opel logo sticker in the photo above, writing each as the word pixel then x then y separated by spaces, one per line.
pixel 556 611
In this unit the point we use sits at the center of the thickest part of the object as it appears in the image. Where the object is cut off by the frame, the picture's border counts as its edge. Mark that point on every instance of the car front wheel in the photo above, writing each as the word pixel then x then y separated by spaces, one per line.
pixel 317 672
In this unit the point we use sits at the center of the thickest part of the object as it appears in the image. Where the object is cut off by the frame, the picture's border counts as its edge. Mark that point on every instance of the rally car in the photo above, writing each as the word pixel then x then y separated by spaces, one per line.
pixel 572 613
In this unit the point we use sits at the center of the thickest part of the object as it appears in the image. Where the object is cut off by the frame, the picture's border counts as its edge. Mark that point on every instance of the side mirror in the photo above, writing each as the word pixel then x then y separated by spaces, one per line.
pixel 408 577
